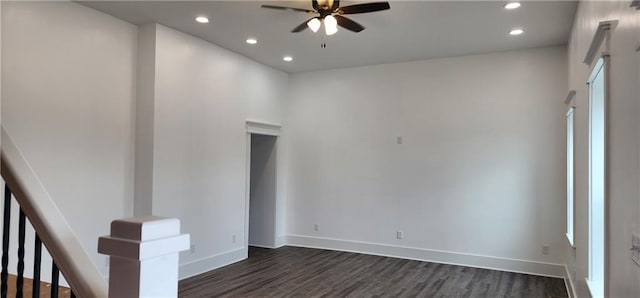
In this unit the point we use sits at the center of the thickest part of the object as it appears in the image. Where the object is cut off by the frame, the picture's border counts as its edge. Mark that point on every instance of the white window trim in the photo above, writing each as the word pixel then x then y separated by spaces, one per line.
pixel 599 48
pixel 570 177
pixel 597 288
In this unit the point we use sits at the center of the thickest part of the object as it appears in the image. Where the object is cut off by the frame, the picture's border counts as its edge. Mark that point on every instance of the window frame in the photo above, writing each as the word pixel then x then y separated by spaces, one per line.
pixel 570 199
pixel 597 281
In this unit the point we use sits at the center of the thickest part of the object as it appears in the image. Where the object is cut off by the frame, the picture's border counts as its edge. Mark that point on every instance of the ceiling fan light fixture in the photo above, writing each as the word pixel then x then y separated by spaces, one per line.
pixel 330 25
pixel 314 24
pixel 330 13
pixel 326 3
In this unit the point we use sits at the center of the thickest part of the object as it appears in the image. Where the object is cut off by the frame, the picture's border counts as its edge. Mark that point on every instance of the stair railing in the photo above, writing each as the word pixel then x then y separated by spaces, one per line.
pixel 52 230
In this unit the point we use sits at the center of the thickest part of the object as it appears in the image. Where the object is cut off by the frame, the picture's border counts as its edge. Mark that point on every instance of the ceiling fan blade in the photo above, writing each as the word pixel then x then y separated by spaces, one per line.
pixel 336 5
pixel 363 8
pixel 302 26
pixel 348 24
pixel 287 8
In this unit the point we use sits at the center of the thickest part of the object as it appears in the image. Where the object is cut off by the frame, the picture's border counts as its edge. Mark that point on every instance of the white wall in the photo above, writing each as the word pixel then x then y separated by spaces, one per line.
pixel 203 96
pixel 71 108
pixel 623 149
pixel 478 178
pixel 69 89
pixel 145 113
pixel 262 205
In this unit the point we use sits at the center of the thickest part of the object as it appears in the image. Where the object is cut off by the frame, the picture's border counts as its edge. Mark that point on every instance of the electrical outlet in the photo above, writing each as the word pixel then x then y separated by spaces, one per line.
pixel 315 227
pixel 399 235
pixel 192 249
pixel 233 238
pixel 545 249
pixel 635 248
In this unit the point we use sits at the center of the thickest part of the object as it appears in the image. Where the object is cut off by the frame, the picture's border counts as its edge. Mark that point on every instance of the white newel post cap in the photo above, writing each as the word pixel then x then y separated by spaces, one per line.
pixel 144 256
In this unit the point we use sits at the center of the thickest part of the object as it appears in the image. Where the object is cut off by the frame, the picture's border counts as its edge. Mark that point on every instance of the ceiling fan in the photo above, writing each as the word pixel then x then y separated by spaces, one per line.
pixel 330 14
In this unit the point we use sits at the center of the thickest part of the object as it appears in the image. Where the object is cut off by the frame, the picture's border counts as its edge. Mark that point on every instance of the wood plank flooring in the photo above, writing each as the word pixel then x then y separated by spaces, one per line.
pixel 305 272
pixel 45 288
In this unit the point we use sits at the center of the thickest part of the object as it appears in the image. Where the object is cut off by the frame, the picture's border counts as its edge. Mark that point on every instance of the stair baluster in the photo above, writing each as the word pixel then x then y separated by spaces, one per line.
pixel 37 256
pixel 20 278
pixel 4 276
pixel 55 275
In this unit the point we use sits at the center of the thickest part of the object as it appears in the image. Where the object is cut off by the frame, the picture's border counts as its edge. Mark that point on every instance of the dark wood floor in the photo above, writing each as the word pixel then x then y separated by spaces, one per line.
pixel 27 289
pixel 305 272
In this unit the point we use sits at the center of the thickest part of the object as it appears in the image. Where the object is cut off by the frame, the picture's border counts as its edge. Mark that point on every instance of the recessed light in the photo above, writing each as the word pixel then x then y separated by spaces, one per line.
pixel 512 5
pixel 516 31
pixel 287 58
pixel 252 41
pixel 202 19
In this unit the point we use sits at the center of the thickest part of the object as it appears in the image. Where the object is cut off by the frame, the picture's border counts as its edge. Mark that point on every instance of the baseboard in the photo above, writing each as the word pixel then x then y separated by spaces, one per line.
pixel 436 256
pixel 210 263
pixel 568 281
pixel 262 246
pixel 281 241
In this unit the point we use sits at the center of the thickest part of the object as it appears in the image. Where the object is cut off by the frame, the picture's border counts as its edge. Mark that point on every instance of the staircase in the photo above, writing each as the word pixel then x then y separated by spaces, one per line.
pixel 129 244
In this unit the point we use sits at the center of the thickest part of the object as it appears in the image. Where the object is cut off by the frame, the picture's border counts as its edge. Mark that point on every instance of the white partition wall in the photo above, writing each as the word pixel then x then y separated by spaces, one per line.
pixel 463 155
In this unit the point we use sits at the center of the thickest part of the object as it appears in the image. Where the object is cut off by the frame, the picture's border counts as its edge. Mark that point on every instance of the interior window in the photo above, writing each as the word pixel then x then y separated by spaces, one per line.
pixel 597 179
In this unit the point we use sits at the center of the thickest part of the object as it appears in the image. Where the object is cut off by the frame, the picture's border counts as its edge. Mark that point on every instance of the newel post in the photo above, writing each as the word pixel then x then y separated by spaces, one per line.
pixel 143 256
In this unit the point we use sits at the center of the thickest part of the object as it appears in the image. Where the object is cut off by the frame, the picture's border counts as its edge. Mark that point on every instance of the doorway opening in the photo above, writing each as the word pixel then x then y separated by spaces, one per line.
pixel 262 190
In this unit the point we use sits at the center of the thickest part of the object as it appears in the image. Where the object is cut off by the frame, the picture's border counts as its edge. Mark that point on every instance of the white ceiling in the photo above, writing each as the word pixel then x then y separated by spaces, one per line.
pixel 411 30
